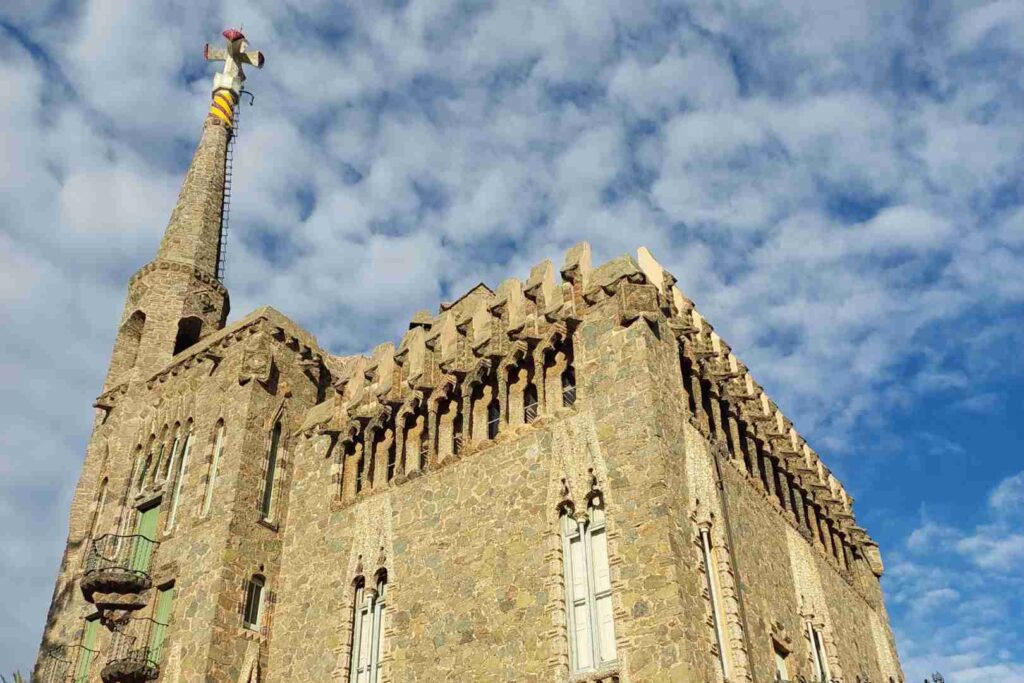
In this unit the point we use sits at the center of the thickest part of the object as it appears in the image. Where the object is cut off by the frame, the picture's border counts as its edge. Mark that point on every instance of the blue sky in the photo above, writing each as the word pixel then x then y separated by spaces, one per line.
pixel 836 183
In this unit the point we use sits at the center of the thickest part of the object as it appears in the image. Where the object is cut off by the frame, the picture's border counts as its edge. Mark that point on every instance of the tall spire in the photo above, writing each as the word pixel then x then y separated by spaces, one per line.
pixel 193 235
pixel 177 299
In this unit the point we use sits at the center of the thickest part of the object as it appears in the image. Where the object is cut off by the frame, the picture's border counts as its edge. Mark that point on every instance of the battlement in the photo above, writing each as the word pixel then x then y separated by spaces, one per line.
pixel 467 355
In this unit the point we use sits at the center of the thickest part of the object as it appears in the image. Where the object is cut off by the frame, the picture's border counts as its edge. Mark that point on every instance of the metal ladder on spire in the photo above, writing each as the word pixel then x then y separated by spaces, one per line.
pixel 225 212
pixel 229 161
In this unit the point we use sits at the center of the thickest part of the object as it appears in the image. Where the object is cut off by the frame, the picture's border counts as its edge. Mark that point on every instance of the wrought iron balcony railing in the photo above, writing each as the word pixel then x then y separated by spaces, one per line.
pixel 118 564
pixel 135 652
pixel 60 664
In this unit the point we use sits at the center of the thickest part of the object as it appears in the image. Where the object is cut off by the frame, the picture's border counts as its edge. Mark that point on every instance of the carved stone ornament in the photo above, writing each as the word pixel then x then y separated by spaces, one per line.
pixel 257 363
pixel 637 301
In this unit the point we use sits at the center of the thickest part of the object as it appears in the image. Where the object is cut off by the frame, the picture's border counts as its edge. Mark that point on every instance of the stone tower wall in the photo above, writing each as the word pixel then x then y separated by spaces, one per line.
pixel 387 464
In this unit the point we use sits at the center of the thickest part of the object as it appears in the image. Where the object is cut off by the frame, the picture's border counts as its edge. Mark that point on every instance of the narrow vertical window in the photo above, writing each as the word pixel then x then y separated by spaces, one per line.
pixel 253 602
pixel 162 617
pixel 359 472
pixel 781 662
pixel 88 650
pixel 145 460
pixel 493 418
pixel 168 465
pixel 818 653
pixel 569 387
pixel 101 501
pixel 530 404
pixel 392 457
pixel 267 500
pixel 588 590
pixel 218 448
pixel 715 593
pixel 368 631
pixel 179 471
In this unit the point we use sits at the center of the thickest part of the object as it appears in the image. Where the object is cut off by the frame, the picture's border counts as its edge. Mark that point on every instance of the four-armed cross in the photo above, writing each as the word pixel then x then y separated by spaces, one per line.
pixel 234 56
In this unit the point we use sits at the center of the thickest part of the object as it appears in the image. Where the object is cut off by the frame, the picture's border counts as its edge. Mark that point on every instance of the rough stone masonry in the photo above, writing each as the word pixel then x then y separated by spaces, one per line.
pixel 570 478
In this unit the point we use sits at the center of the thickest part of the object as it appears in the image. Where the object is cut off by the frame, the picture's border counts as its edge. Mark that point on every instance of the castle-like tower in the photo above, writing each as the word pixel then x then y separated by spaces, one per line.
pixel 570 478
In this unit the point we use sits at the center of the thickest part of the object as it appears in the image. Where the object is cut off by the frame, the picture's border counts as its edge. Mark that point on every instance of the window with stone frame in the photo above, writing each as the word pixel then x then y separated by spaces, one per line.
pixel 493 418
pixel 781 655
pixel 270 472
pixel 819 657
pixel 590 619
pixel 178 474
pixel 531 404
pixel 569 387
pixel 211 475
pixel 166 465
pixel 368 612
pixel 252 608
pixel 709 554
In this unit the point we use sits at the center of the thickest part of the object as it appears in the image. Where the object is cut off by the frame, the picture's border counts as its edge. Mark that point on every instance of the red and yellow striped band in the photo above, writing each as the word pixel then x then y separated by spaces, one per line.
pixel 223 106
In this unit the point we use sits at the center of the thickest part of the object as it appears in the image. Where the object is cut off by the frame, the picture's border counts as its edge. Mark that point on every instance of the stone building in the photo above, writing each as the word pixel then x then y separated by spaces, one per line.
pixel 567 478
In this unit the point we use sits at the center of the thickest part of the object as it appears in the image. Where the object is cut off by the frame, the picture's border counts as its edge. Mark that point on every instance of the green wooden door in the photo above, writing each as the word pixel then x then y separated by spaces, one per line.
pixel 142 550
pixel 88 650
pixel 163 616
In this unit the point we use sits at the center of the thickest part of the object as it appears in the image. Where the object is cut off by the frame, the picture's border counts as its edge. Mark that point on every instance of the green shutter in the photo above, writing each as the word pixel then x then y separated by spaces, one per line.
pixel 163 616
pixel 88 650
pixel 146 529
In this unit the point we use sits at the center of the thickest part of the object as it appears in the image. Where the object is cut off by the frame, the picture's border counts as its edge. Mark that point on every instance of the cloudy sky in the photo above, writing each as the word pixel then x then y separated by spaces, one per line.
pixel 837 183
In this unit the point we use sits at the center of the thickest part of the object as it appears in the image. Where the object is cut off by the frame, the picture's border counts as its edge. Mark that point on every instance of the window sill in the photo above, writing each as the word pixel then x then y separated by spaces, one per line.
pixel 269 523
pixel 609 673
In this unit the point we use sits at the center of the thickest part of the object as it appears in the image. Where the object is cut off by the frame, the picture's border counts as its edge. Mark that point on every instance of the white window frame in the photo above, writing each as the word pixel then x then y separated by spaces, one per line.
pixel 781 656
pixel 218 448
pixel 597 649
pixel 256 582
pixel 368 620
pixel 178 477
pixel 715 593
pixel 818 653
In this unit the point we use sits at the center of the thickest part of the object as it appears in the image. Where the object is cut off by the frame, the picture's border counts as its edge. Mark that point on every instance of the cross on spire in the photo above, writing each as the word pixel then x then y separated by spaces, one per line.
pixel 234 56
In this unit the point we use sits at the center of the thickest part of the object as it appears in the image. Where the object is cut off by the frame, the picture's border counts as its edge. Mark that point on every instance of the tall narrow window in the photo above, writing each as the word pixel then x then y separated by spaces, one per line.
pixel 162 617
pixel 88 650
pixel 781 661
pixel 101 501
pixel 368 631
pixel 218 448
pixel 818 653
pixel 715 593
pixel 167 466
pixel 568 387
pixel 181 467
pixel 530 404
pixel 145 460
pixel 588 590
pixel 267 500
pixel 253 607
pixel 493 418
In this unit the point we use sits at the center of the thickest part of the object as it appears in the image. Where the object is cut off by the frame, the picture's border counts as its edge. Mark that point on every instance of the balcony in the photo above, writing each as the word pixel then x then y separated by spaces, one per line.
pixel 135 652
pixel 60 664
pixel 116 576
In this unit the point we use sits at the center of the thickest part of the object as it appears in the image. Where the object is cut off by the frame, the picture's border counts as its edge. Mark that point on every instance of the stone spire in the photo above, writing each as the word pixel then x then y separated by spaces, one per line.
pixel 193 234
pixel 177 299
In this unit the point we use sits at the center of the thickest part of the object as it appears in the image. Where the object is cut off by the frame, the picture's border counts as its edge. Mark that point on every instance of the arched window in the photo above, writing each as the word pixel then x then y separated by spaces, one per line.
pixel 211 477
pixel 253 609
pixel 267 500
pixel 710 556
pixel 530 404
pixel 588 589
pixel 126 348
pixel 493 418
pixel 181 465
pixel 368 630
pixel 189 330
pixel 166 464
pixel 145 460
